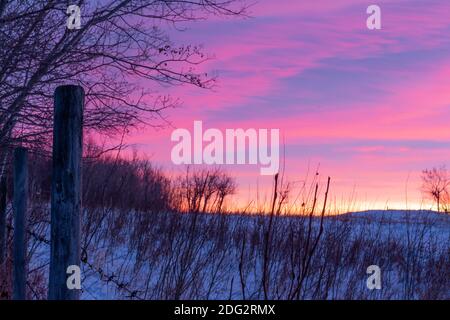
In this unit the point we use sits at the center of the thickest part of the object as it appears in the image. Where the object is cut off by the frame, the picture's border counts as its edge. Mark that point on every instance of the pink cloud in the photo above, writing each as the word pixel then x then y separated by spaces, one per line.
pixel 287 39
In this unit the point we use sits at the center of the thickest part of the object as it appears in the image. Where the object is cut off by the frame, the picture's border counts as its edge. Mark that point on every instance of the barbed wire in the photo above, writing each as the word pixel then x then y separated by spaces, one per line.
pixel 107 278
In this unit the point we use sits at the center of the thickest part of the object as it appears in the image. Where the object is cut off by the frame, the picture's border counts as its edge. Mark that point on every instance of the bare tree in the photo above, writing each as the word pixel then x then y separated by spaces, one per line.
pixel 120 43
pixel 435 183
pixel 204 190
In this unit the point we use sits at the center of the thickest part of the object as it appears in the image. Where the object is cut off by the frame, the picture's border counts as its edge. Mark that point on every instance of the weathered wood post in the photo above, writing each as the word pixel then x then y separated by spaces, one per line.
pixel 20 222
pixel 3 203
pixel 66 189
pixel 3 194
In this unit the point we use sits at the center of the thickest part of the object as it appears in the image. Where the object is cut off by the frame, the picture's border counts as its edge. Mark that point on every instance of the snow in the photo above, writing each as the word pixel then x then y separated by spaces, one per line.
pixel 222 256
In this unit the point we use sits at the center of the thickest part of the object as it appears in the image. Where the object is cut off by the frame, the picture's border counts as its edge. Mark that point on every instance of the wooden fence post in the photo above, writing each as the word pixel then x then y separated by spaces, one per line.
pixel 20 222
pixel 3 195
pixel 3 204
pixel 66 189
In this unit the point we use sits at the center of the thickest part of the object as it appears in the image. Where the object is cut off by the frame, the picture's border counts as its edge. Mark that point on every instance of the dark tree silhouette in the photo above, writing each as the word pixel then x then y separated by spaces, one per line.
pixel 204 190
pixel 435 183
pixel 120 43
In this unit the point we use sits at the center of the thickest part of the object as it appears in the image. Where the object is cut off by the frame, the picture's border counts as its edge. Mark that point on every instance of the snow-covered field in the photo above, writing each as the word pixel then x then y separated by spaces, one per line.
pixel 186 256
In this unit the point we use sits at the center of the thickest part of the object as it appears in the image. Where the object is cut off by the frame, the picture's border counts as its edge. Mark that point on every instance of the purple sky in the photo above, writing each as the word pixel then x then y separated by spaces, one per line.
pixel 372 107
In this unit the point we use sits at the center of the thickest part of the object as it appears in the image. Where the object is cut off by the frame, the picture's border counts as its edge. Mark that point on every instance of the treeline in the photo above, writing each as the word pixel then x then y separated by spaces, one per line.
pixel 134 183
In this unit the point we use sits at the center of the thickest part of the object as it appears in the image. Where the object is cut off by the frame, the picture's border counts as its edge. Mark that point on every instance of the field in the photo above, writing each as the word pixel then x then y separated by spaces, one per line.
pixel 204 256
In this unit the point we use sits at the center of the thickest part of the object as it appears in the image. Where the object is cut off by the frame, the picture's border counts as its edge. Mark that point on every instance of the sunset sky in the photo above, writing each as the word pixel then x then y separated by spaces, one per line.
pixel 372 107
